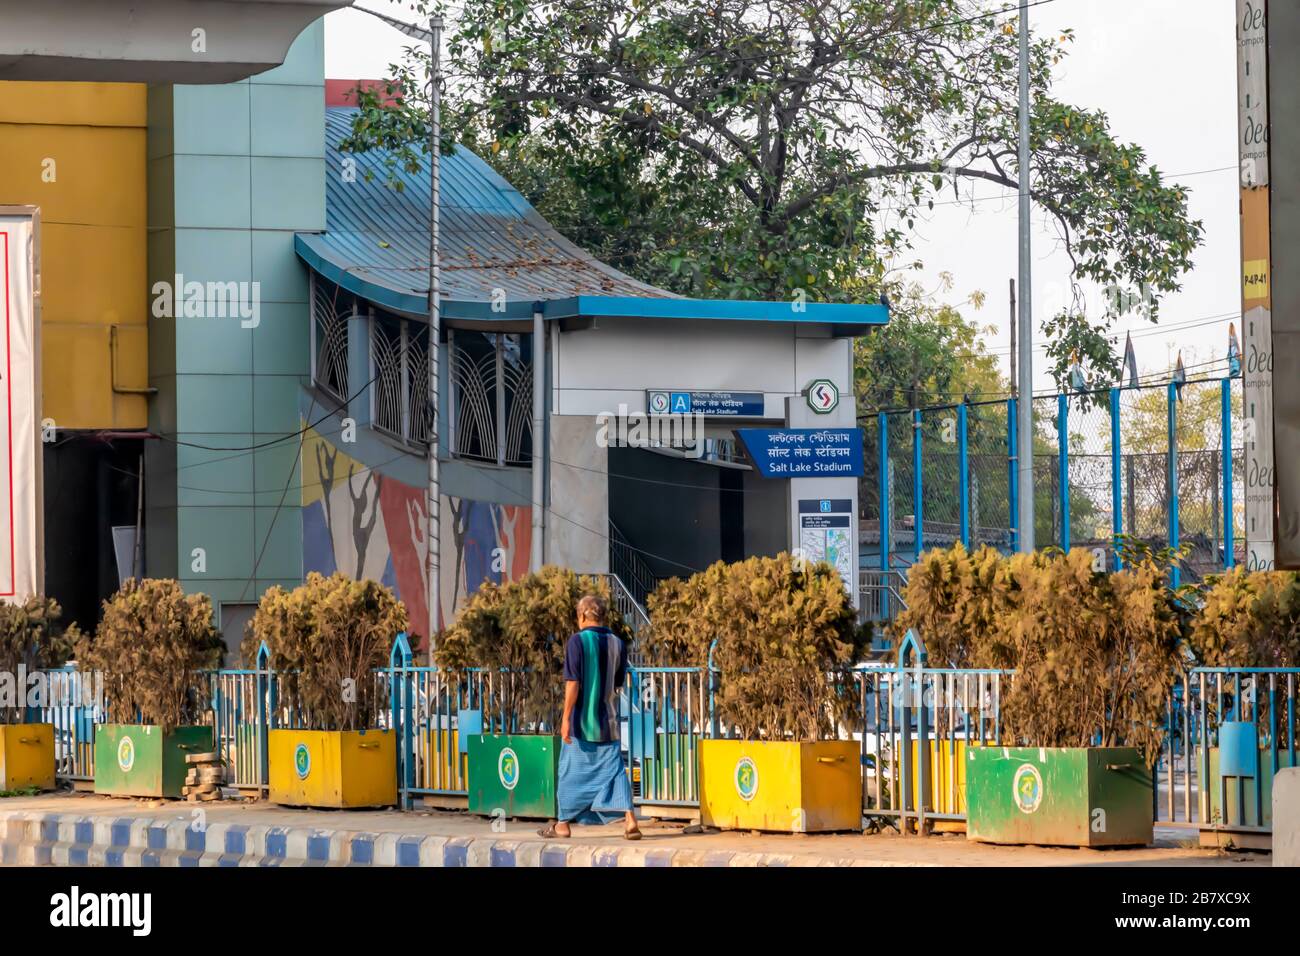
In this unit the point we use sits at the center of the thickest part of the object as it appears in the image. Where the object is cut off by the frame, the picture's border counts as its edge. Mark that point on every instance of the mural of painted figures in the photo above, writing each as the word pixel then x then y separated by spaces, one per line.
pixel 369 525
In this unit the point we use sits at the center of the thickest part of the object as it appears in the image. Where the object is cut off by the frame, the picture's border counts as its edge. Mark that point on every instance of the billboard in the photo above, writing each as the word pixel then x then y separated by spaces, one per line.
pixel 1284 248
pixel 22 565
pixel 1256 302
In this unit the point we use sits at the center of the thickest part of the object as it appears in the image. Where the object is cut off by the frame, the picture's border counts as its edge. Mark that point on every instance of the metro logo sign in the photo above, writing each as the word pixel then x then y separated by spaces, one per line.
pixel 823 396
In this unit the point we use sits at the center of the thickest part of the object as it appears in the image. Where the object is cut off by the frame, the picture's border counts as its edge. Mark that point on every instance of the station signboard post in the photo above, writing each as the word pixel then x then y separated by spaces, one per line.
pixel 819 454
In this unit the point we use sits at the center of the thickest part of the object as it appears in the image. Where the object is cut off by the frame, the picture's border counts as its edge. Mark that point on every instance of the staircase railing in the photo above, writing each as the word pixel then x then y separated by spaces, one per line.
pixel 880 593
pixel 626 562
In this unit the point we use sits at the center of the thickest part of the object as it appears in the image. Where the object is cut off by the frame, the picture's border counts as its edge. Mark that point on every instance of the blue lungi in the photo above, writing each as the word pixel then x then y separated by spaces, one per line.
pixel 593 785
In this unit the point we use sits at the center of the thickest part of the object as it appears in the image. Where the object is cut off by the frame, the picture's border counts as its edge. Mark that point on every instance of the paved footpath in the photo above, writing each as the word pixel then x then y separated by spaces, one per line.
pixel 80 829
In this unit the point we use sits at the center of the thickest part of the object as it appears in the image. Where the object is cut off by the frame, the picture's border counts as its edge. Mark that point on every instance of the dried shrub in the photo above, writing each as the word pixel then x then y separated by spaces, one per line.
pixel 954 600
pixel 151 647
pixel 521 627
pixel 674 637
pixel 1095 654
pixel 325 638
pixel 31 637
pixel 786 634
pixel 1249 619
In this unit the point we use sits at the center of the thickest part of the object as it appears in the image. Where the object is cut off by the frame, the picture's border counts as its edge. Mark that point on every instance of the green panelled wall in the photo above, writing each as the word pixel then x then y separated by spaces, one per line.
pixel 234 171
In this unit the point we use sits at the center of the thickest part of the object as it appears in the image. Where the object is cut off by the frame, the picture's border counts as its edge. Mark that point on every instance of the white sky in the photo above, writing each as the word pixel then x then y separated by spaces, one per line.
pixel 1165 73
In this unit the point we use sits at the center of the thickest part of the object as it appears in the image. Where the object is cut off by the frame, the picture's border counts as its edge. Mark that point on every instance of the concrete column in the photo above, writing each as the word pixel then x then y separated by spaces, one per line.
pixel 359 368
pixel 537 555
pixel 577 522
pixel 1286 817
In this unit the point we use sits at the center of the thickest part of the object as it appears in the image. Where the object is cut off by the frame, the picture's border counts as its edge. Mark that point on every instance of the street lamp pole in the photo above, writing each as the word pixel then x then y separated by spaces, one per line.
pixel 1025 340
pixel 433 498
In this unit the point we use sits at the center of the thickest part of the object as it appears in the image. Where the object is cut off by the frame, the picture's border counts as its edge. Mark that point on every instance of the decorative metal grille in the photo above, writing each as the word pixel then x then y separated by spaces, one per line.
pixel 418 411
pixel 490 418
pixel 492 393
pixel 472 381
pixel 399 364
pixel 330 311
pixel 387 357
pixel 518 380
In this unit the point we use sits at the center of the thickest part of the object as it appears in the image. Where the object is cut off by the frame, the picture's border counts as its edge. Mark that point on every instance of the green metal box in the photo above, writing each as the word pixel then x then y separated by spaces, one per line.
pixel 139 760
pixel 1058 796
pixel 513 774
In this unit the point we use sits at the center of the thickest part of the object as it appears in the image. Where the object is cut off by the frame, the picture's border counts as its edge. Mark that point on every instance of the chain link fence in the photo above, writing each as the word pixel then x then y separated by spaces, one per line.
pixel 990 454
pixel 1159 464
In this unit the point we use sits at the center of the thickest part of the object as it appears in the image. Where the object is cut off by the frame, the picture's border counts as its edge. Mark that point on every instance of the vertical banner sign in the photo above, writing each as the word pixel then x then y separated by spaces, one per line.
pixel 21 558
pixel 1256 296
pixel 1283 301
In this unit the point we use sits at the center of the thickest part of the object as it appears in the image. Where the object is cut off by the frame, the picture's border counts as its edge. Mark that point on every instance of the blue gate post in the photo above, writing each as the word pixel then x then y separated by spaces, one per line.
pixel 963 475
pixel 264 690
pixel 916 482
pixel 1174 575
pixel 399 709
pixel 713 714
pixel 1063 464
pixel 1272 734
pixel 217 698
pixel 882 421
pixel 1116 479
pixel 1225 416
pixel 1013 487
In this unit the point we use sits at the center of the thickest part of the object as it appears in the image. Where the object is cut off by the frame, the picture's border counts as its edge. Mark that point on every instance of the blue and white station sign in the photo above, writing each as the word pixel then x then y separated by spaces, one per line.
pixel 715 404
pixel 804 452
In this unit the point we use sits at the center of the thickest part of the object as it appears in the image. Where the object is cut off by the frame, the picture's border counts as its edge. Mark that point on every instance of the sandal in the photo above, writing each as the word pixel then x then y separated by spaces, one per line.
pixel 632 834
pixel 549 832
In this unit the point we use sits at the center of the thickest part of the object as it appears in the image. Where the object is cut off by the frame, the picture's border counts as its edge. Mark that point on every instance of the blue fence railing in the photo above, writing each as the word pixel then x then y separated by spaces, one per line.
pixel 1227 731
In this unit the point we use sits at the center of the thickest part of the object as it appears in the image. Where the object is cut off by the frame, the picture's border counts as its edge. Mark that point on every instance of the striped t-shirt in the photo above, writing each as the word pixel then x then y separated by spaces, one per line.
pixel 597 659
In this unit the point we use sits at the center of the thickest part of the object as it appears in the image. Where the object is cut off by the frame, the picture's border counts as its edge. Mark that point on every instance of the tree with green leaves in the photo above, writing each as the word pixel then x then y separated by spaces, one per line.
pixel 785 147
pixel 928 354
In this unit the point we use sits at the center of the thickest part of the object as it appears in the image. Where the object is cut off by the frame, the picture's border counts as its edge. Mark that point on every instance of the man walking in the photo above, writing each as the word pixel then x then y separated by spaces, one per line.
pixel 593 785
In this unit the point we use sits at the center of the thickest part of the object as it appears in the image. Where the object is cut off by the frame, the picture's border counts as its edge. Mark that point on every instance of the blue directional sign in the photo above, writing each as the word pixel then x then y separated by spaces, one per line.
pixel 716 404
pixel 804 452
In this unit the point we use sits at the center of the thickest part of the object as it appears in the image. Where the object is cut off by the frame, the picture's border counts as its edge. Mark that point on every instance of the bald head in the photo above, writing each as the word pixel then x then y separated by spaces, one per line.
pixel 592 611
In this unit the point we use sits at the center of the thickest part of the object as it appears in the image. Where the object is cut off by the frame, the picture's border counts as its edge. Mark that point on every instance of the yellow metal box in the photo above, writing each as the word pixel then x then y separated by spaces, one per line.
pixel 333 768
pixel 789 786
pixel 26 756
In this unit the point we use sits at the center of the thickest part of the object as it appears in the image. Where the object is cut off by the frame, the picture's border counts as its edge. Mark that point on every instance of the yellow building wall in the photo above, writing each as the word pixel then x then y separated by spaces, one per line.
pixel 77 150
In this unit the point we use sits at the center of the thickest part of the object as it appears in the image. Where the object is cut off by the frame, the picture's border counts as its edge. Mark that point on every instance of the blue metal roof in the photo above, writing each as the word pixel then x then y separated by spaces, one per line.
pixel 376 245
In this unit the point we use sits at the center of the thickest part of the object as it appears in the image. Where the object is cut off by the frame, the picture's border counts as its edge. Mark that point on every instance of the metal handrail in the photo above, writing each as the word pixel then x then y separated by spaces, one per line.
pixel 626 563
